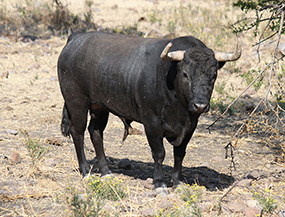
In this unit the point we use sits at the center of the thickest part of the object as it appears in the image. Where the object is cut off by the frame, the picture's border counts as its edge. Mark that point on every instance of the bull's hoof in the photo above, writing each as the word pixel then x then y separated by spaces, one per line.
pixel 163 191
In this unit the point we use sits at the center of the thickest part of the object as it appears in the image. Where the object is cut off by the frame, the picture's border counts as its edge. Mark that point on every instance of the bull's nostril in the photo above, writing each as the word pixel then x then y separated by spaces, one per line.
pixel 200 108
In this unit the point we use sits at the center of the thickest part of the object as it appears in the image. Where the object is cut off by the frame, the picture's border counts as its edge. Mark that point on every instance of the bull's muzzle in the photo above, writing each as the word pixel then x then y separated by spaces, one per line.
pixel 201 108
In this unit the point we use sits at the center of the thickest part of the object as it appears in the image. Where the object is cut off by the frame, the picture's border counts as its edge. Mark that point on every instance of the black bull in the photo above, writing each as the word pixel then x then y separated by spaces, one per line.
pixel 163 84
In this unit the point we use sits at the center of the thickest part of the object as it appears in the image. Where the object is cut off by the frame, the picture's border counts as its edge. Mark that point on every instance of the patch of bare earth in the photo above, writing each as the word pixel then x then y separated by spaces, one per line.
pixel 30 101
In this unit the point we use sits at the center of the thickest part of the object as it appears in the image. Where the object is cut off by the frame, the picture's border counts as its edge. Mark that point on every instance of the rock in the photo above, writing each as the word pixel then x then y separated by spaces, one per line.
pixel 9 108
pixel 148 212
pixel 108 208
pixel 173 196
pixel 50 162
pixel 46 50
pixel 251 212
pixel 163 191
pixel 114 7
pixel 244 183
pixel 138 200
pixel 4 75
pixel 14 158
pixel 34 66
pixel 12 132
pixel 148 183
pixel 149 194
pixel 207 30
pixel 165 204
pixel 281 213
pixel 4 194
pixel 53 78
pixel 125 164
pixel 252 203
pixel 204 164
pixel 236 207
pixel 281 48
pixel 251 91
pixel 45 70
pixel 217 159
pixel 3 56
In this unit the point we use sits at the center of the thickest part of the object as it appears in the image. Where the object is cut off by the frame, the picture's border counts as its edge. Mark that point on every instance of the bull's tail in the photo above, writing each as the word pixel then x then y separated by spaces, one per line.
pixel 65 122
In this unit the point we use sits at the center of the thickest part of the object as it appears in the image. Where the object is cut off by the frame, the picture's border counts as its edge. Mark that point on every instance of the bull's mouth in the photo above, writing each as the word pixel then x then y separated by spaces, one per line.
pixel 200 108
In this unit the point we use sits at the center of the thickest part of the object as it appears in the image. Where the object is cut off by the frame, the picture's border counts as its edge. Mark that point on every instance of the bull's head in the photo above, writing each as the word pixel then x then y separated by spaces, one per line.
pixel 195 74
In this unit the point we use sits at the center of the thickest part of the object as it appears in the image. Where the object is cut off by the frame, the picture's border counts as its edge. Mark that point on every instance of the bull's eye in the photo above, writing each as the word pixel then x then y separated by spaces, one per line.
pixel 185 75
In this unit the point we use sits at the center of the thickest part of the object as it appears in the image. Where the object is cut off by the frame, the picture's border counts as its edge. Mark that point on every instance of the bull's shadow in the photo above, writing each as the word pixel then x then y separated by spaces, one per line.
pixel 203 176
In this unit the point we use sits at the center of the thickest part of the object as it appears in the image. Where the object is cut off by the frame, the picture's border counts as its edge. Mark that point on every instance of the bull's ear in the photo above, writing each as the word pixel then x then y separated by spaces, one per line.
pixel 221 64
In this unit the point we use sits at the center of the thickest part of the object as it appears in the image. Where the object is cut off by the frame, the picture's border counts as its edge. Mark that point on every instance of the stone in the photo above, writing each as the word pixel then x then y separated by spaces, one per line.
pixel 125 164
pixel 149 194
pixel 114 7
pixel 50 162
pixel 4 75
pixel 108 208
pixel 14 158
pixel 165 204
pixel 34 66
pixel 236 207
pixel 53 78
pixel 251 212
pixel 12 132
pixel 244 183
pixel 217 159
pixel 173 196
pixel 148 212
pixel 148 183
pixel 163 191
pixel 252 203
pixel 46 50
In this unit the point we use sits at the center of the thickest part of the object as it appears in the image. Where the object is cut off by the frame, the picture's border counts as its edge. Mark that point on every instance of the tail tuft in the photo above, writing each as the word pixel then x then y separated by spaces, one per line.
pixel 65 123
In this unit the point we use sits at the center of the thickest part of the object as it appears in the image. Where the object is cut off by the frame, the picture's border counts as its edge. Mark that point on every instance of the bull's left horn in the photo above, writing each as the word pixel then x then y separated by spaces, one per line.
pixel 175 55
pixel 225 57
pixel 164 53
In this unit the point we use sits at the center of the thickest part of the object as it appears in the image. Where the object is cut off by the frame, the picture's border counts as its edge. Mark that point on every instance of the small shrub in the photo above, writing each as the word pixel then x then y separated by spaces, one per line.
pixel 35 149
pixel 265 200
pixel 192 195
pixel 96 191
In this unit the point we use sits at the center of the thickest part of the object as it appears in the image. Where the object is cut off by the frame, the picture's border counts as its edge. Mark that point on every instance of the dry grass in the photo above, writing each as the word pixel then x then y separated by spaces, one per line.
pixel 30 101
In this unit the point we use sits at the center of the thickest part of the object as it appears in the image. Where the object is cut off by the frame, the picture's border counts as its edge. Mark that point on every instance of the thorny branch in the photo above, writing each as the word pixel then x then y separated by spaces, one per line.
pixel 277 9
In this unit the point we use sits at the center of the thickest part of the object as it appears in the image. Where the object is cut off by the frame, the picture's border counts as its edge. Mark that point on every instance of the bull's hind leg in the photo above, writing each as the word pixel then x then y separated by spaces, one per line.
pixel 78 109
pixel 98 122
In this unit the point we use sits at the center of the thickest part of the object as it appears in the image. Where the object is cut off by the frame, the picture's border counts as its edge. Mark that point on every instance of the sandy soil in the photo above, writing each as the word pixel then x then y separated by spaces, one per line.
pixel 30 101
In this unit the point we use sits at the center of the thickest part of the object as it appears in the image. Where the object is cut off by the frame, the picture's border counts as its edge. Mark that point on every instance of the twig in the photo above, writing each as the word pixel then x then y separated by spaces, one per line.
pixel 228 107
pixel 233 185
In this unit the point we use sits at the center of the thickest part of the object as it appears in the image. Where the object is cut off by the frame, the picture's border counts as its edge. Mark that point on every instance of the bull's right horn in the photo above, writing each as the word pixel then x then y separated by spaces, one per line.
pixel 168 56
pixel 225 57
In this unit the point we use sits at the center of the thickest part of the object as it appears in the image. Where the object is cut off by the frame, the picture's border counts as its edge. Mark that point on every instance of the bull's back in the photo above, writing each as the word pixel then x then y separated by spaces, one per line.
pixel 110 69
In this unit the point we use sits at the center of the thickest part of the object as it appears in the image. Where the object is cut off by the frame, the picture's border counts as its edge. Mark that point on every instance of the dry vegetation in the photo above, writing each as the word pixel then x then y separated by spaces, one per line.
pixel 46 181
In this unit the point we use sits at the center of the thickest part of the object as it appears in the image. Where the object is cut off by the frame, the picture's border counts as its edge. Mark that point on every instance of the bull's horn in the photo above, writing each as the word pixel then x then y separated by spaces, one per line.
pixel 164 54
pixel 224 57
pixel 175 55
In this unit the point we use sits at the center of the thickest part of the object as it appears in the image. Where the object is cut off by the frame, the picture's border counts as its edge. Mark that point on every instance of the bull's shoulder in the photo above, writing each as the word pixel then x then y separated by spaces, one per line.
pixel 74 35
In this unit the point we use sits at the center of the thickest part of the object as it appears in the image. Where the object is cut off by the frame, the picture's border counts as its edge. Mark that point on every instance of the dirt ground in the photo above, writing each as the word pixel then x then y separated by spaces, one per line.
pixel 30 101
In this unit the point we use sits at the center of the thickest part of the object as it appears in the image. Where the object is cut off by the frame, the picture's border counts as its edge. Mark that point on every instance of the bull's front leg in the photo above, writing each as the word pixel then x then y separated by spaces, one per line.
pixel 158 154
pixel 179 154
